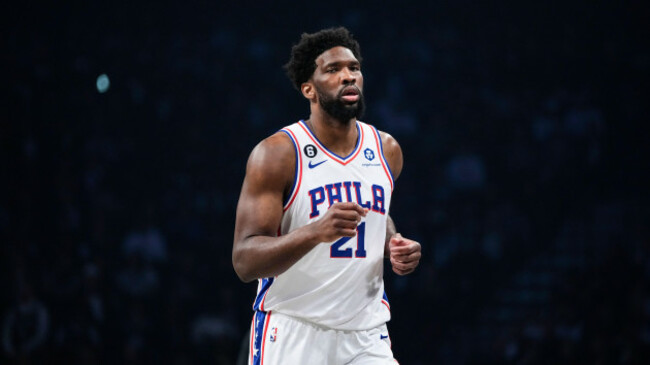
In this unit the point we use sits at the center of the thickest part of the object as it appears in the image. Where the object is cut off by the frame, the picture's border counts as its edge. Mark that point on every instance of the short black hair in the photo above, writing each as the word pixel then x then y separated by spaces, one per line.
pixel 302 64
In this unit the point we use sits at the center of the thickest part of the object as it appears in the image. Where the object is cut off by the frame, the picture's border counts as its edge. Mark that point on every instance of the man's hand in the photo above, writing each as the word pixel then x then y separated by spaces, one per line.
pixel 404 254
pixel 340 220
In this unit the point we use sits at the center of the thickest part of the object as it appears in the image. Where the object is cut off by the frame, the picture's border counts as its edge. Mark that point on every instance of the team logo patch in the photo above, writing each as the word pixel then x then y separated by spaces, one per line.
pixel 310 150
pixel 274 334
pixel 370 155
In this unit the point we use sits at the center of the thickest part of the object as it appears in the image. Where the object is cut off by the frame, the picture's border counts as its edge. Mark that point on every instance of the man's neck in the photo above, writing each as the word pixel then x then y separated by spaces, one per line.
pixel 339 137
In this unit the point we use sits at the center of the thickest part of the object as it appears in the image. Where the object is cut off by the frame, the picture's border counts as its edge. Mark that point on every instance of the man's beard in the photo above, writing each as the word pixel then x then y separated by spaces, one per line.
pixel 339 110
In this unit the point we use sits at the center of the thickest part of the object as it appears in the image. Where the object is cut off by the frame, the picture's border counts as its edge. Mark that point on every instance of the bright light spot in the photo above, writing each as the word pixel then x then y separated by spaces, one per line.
pixel 103 83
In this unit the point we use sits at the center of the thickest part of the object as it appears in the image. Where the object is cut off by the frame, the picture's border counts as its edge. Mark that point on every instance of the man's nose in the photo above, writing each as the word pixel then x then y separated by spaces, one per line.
pixel 347 76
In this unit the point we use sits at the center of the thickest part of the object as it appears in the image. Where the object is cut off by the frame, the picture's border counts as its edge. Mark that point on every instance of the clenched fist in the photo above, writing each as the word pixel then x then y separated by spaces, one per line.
pixel 404 254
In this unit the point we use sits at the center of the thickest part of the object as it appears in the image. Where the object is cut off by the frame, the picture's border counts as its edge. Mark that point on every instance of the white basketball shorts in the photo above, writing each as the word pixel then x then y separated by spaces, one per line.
pixel 278 339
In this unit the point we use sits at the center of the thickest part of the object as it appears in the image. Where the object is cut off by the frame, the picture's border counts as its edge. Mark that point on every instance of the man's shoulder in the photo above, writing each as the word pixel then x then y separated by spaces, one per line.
pixel 274 146
pixel 388 141
pixel 274 154
pixel 385 136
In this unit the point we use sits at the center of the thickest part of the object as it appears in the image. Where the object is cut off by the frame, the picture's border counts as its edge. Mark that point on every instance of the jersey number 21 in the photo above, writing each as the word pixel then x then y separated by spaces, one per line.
pixel 336 251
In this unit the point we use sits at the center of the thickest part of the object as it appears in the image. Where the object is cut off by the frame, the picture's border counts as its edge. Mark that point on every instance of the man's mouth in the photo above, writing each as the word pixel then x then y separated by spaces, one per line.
pixel 350 94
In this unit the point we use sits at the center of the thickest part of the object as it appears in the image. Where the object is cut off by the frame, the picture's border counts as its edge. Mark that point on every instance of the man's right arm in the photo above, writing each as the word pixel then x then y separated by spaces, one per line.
pixel 257 250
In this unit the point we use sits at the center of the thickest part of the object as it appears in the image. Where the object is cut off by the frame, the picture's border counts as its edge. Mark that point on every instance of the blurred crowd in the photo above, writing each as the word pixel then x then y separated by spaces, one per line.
pixel 523 179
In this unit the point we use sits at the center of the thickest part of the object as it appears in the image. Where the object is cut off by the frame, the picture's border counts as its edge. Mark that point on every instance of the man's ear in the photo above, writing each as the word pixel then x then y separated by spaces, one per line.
pixel 308 90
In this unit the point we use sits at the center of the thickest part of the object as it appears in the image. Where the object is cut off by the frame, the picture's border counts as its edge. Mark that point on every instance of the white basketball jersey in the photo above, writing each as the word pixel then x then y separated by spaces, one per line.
pixel 337 284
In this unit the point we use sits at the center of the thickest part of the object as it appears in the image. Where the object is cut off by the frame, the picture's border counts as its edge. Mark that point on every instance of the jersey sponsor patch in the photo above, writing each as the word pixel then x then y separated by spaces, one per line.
pixel 369 154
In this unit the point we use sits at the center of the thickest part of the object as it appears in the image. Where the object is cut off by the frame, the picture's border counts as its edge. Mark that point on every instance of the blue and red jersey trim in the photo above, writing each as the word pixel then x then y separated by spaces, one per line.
pixel 264 286
pixel 330 154
pixel 384 300
pixel 384 163
pixel 297 176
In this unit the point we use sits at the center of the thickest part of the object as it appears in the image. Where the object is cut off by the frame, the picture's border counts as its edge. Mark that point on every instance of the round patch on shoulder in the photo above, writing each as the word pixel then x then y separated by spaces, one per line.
pixel 310 150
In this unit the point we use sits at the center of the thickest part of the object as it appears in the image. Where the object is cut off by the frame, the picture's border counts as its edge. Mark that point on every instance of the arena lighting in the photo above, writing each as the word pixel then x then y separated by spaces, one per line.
pixel 103 83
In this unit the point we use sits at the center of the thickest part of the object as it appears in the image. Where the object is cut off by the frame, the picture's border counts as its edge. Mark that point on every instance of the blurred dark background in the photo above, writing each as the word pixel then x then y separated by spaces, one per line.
pixel 522 127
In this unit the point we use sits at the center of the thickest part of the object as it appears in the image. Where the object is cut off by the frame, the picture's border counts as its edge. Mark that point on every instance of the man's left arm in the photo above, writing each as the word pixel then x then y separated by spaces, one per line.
pixel 404 254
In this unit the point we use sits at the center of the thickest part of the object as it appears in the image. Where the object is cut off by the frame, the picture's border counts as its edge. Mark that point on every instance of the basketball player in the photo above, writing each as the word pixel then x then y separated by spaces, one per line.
pixel 312 220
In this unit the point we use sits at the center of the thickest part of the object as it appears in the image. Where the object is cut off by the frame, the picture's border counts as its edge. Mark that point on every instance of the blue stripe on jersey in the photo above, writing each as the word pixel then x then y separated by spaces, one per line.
pixel 258 336
pixel 295 173
pixel 321 145
pixel 266 284
pixel 381 145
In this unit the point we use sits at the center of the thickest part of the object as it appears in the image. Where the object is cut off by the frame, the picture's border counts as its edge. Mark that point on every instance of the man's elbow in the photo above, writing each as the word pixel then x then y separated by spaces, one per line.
pixel 241 269
pixel 243 276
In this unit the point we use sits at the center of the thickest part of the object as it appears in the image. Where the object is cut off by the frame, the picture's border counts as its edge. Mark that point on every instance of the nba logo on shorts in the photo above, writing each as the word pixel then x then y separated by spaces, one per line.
pixel 274 334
